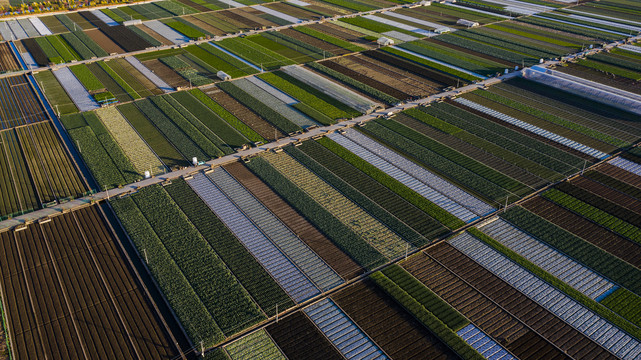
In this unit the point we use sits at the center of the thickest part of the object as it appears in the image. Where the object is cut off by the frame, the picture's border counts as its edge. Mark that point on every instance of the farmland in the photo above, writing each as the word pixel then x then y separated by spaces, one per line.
pixel 322 179
pixel 95 316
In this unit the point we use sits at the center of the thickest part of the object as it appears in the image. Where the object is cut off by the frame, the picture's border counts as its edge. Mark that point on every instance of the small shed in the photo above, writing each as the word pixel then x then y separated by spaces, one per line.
pixel 468 23
pixel 383 41
pixel 223 76
pixel 132 22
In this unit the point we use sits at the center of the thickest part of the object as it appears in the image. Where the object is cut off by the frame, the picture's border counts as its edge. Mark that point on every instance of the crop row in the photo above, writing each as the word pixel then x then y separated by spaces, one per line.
pixel 220 61
pixel 308 95
pixel 312 265
pixel 572 107
pixel 225 115
pixel 342 235
pixel 382 196
pixel 388 219
pixel 427 184
pixel 194 317
pixel 431 64
pixel 510 140
pixel 394 185
pixel 272 98
pixel 426 317
pixel 255 53
pixel 253 277
pixel 565 307
pixel 586 253
pixel 375 233
pixel 486 49
pixel 601 309
pixel 225 299
pixel 54 173
pixel 261 109
pixel 593 213
pixel 171 109
pixel 364 88
pixel 19 194
pixel 206 122
pixel 448 55
pixel 552 118
pixel 574 274
pixel 19 104
pixel 185 70
pixel 171 131
pixel 445 166
pixel 447 152
pixel 282 269
pixel 132 145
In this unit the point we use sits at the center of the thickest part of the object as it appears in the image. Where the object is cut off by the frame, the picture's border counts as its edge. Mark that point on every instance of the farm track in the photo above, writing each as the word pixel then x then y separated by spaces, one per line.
pixel 300 339
pixel 507 329
pixel 320 244
pixel 99 311
pixel 536 317
pixel 380 317
pixel 616 245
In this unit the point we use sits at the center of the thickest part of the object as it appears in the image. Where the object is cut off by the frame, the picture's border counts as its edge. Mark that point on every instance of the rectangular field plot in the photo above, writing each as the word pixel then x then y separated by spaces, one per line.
pixel 53 309
pixel 19 104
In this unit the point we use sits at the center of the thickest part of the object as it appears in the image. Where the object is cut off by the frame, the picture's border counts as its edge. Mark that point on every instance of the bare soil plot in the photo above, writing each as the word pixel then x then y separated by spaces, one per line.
pixel 104 42
pixel 56 311
pixel 542 321
pixel 298 337
pixel 258 124
pixel 391 327
pixel 614 244
pixel 166 73
pixel 488 316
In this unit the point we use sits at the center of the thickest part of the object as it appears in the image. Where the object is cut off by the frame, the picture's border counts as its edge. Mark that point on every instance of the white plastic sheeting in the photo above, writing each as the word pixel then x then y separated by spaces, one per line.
pixel 441 63
pixel 484 344
pixel 277 265
pixel 627 165
pixel 418 21
pixel 106 19
pixel 278 14
pixel 332 89
pixel 567 309
pixel 29 60
pixel 40 26
pixel 273 91
pixel 346 336
pixel 298 2
pixel 547 258
pixel 28 27
pixel 589 89
pixel 17 30
pixel 582 25
pixel 76 91
pixel 534 129
pixel 433 188
pixel 400 25
pixel 232 3
pixel 167 32
pixel 274 103
pixel 312 265
pixel 160 83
